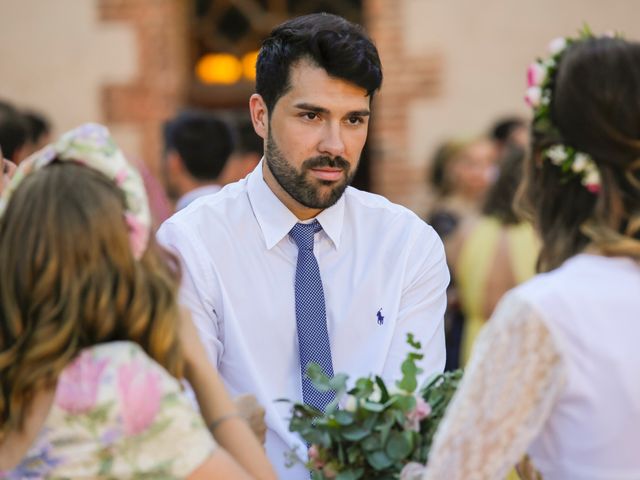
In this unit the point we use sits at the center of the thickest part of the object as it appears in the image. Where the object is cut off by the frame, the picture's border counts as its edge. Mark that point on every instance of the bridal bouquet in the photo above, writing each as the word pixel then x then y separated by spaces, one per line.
pixel 374 431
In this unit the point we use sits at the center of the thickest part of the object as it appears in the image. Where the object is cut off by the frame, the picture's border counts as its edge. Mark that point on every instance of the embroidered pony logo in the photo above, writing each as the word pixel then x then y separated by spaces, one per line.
pixel 380 317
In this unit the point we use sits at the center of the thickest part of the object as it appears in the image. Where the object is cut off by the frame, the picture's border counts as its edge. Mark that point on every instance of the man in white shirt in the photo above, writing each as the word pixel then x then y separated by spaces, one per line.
pixel 197 145
pixel 382 271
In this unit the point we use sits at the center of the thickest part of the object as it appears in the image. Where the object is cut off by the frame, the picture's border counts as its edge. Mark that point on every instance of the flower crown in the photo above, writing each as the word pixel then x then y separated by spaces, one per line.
pixel 540 78
pixel 92 146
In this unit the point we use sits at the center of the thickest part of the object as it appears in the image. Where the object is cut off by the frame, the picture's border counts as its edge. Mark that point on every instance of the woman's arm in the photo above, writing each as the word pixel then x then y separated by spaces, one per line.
pixel 513 379
pixel 230 430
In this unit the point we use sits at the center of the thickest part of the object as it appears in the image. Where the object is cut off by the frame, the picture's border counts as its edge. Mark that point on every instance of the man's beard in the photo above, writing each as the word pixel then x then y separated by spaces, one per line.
pixel 296 184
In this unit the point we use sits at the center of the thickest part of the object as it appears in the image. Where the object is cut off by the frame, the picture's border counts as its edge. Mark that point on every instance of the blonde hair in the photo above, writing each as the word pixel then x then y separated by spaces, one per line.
pixel 69 281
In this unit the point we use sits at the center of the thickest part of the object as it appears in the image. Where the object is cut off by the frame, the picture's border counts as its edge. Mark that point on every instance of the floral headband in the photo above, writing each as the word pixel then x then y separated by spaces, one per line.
pixel 91 145
pixel 540 77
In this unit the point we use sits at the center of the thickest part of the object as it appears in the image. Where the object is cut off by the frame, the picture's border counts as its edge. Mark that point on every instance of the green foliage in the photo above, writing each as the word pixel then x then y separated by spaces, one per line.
pixel 374 432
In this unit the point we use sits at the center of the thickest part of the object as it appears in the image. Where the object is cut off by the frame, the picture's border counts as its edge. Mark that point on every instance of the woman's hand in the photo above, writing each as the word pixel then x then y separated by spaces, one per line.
pixel 253 412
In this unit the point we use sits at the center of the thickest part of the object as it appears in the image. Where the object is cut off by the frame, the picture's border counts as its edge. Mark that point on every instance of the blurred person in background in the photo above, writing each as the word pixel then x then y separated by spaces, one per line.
pixel 246 155
pixel 14 133
pixel 197 145
pixel 492 253
pixel 554 373
pixel 92 342
pixel 509 132
pixel 461 173
pixel 39 130
pixel 8 169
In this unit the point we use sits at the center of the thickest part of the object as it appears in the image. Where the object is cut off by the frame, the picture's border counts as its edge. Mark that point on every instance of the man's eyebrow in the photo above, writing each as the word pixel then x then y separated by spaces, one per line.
pixel 311 108
pixel 316 109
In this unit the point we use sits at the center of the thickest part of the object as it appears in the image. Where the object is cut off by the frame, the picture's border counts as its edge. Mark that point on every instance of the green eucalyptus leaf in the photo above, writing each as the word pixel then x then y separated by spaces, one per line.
pixel 379 460
pixel 343 417
pixel 355 433
pixel 398 446
pixel 372 442
pixel 383 390
pixel 373 406
pixel 350 474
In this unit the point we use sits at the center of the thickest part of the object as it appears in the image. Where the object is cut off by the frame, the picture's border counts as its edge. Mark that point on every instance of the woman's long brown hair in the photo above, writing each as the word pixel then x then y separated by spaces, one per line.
pixel 68 280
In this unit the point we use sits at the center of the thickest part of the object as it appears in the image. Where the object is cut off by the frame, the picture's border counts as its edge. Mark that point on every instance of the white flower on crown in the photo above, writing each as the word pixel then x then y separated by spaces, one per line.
pixel 557 45
pixel 533 96
pixel 580 163
pixel 592 179
pixel 557 154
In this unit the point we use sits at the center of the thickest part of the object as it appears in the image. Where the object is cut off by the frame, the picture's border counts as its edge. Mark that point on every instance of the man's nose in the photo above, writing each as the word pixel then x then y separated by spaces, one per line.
pixel 332 143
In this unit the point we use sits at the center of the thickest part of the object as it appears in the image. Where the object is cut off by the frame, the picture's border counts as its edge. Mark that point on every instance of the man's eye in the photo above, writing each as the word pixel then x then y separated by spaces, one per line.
pixel 310 115
pixel 355 120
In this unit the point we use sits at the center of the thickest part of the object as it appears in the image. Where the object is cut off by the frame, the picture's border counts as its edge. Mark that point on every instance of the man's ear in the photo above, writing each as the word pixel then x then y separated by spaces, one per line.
pixel 259 115
pixel 174 163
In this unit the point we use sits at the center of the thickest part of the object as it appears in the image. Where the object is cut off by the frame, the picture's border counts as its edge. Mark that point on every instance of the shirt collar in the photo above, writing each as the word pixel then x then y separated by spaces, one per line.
pixel 276 220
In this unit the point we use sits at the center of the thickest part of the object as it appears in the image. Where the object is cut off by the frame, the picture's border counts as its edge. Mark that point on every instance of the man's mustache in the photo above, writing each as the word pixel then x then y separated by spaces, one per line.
pixel 326 161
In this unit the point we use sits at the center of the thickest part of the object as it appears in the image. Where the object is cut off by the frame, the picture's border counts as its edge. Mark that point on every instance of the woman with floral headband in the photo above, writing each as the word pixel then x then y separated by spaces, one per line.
pixel 91 339
pixel 555 373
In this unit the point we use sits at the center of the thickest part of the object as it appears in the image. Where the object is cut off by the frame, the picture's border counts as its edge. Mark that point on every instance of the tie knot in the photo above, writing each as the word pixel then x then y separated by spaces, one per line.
pixel 303 233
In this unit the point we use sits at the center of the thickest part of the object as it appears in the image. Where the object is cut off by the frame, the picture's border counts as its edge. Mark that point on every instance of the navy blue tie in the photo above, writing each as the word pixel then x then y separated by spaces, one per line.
pixel 311 317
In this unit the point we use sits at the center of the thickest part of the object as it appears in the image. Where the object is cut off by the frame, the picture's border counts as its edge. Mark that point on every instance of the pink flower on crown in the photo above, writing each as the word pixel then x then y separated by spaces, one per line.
pixel 140 396
pixel 121 176
pixel 78 384
pixel 536 74
pixel 138 234
pixel 533 97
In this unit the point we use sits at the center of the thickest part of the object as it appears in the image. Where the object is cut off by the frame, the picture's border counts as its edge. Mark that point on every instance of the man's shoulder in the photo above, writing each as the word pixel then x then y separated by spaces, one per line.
pixel 381 209
pixel 232 196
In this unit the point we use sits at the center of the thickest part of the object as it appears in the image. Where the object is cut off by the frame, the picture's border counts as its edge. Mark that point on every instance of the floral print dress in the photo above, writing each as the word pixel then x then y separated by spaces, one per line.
pixel 117 414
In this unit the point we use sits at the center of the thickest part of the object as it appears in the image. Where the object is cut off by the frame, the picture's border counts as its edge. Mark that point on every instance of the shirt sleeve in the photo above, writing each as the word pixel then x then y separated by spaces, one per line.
pixel 200 289
pixel 515 375
pixel 422 307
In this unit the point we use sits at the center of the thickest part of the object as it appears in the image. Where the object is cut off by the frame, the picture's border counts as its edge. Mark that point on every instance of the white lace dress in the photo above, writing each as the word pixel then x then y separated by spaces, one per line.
pixel 555 373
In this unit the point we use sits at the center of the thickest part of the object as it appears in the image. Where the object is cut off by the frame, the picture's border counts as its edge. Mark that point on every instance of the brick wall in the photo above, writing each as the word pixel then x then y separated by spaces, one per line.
pixel 406 78
pixel 160 87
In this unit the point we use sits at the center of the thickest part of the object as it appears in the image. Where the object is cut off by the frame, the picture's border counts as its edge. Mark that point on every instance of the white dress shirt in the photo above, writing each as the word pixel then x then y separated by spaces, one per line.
pixel 383 271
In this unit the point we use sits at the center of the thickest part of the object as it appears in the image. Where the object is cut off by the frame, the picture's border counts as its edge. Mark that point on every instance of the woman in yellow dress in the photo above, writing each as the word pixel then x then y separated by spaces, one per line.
pixel 493 253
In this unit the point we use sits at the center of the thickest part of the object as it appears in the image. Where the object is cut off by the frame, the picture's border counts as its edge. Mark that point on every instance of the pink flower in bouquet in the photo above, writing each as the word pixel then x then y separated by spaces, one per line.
pixel 329 471
pixel 140 396
pixel 314 457
pixel 78 384
pixel 536 74
pixel 412 471
pixel 421 411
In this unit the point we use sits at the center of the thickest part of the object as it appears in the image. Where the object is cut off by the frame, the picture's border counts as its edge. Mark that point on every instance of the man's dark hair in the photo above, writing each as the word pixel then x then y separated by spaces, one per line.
pixel 203 140
pixel 340 47
pixel 14 130
pixel 38 125
pixel 504 127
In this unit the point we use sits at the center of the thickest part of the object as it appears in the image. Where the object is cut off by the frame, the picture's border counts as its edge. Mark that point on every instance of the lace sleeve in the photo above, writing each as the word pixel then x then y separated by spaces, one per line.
pixel 514 377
